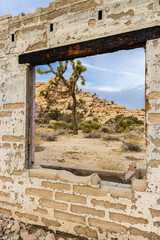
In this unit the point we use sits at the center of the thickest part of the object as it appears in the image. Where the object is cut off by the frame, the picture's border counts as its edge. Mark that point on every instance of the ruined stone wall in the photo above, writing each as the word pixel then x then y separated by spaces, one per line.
pixel 82 206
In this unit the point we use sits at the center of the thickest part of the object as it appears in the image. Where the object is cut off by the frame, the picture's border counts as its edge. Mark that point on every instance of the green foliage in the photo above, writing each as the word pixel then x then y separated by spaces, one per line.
pixel 85 111
pixel 88 126
pixel 54 114
pixel 62 125
pixel 112 102
pixel 71 79
pixel 81 103
pixel 44 121
pixel 122 124
pixel 39 71
pixel 41 94
pixel 69 107
pixel 79 62
pixel 90 114
pixel 95 125
pixel 51 82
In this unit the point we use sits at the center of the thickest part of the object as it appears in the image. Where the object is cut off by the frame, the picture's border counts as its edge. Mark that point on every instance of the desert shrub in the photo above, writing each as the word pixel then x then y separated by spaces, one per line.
pixel 88 126
pixel 50 137
pixel 115 166
pixel 135 120
pixel 111 138
pixel 62 125
pixel 129 136
pixel 111 129
pixel 131 145
pixel 95 119
pixel 90 114
pixel 104 129
pixel 46 135
pixel 79 117
pixel 44 121
pixel 93 135
pixel 138 129
pixel 54 114
pixel 65 117
pixel 69 107
pixel 85 126
pixel 81 103
pixel 38 141
pixel 85 111
pixel 95 125
pixel 123 124
pixel 61 132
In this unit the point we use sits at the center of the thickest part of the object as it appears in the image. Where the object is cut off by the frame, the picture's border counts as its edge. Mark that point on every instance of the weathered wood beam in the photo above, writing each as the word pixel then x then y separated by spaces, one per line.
pixel 129 40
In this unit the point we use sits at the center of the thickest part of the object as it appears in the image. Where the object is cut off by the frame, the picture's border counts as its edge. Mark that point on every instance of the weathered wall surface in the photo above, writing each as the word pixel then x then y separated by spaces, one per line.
pixel 59 200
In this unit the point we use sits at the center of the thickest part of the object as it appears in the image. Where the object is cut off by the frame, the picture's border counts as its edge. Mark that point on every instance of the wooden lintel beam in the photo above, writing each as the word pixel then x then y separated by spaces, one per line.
pixel 129 40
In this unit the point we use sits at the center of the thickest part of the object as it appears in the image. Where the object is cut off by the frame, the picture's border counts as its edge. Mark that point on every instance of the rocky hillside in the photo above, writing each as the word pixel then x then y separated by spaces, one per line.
pixel 89 106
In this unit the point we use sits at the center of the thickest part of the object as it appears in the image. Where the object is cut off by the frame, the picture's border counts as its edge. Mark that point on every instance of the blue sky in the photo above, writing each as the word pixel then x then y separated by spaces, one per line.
pixel 118 76
pixel 14 7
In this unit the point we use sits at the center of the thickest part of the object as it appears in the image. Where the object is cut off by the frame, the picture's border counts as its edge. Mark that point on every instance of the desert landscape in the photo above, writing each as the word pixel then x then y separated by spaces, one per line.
pixel 110 137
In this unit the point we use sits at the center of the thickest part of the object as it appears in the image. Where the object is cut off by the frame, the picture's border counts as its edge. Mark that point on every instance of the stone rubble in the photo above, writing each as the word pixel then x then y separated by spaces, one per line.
pixel 15 230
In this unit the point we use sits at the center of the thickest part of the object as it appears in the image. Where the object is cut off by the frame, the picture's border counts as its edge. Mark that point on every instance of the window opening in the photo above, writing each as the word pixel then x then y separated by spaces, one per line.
pixel 100 15
pixel 51 27
pixel 13 37
pixel 110 115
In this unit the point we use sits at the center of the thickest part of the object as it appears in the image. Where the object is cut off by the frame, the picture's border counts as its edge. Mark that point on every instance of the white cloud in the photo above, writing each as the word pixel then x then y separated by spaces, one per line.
pixel 111 71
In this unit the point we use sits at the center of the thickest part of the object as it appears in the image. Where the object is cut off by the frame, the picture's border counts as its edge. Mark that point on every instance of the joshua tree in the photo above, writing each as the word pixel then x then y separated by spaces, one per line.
pixel 70 84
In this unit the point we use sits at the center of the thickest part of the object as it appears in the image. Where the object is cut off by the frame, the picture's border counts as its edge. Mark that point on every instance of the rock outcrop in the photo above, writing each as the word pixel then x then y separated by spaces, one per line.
pixel 89 105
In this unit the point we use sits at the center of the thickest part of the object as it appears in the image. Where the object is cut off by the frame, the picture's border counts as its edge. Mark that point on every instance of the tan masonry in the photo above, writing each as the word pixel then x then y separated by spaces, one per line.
pixel 58 186
pixel 69 217
pixel 53 204
pixel 59 200
pixel 124 218
pixel 6 211
pixel 5 114
pixel 27 216
pixel 4 195
pixel 89 191
pixel 70 198
pixel 109 226
pixel 13 138
pixel 13 105
pixel 86 231
pixel 108 204
pixel 6 179
pixel 40 210
pixel 50 223
pixel 85 210
pixel 39 192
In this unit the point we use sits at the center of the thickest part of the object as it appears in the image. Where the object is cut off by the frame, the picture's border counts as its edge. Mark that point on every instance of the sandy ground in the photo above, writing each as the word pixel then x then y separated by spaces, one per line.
pixel 86 153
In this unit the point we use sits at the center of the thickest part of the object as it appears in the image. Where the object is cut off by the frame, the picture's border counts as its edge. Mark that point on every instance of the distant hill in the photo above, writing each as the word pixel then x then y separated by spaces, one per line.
pixel 88 106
